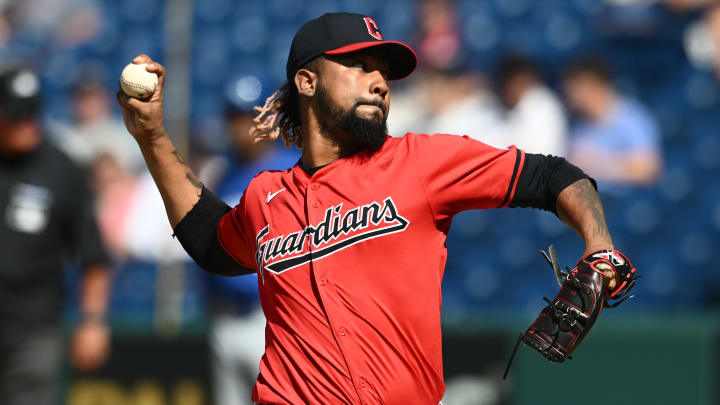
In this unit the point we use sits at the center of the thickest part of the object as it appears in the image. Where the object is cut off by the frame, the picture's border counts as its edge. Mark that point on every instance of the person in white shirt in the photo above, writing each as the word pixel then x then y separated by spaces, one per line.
pixel 535 120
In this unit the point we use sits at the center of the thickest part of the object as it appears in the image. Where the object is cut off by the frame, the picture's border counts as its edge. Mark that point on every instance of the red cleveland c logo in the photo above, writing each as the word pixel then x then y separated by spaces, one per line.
pixel 372 28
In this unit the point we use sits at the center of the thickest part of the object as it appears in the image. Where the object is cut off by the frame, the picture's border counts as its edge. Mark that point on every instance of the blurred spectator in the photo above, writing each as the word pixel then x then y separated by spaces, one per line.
pixel 616 139
pixel 232 171
pixel 237 334
pixel 5 30
pixel 688 5
pixel 712 22
pixel 535 120
pixel 145 234
pixel 447 101
pixel 126 207
pixel 95 131
pixel 46 220
pixel 444 96
pixel 116 189
pixel 99 141
pixel 439 41
pixel 68 22
pixel 702 41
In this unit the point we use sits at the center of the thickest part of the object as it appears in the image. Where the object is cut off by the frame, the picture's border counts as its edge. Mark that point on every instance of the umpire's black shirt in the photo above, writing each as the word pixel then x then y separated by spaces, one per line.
pixel 46 218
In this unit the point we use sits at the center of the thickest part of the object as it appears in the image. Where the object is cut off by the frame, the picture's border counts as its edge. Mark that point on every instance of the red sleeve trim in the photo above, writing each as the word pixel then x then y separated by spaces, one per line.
pixel 519 162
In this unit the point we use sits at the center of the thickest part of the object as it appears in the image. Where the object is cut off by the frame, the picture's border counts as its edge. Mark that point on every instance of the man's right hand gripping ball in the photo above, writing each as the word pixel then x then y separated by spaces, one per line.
pixel 144 118
pixel 565 321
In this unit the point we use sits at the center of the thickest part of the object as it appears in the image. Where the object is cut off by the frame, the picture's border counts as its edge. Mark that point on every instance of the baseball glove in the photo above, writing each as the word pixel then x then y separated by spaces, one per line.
pixel 565 321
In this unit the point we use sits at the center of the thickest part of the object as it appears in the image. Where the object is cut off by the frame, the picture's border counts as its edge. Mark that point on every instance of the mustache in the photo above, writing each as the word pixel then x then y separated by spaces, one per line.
pixel 375 103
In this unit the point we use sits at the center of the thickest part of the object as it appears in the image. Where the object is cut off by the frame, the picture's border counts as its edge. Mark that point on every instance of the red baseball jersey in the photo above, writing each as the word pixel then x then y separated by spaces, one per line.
pixel 350 260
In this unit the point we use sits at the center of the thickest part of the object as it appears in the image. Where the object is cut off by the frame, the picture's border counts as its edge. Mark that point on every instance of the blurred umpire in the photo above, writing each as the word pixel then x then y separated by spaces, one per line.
pixel 46 219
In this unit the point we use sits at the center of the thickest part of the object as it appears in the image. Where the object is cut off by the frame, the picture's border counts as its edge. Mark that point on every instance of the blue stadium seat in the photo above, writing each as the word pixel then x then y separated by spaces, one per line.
pixel 210 67
pixel 133 292
pixel 210 12
pixel 368 7
pixel 140 11
pixel 250 33
pixel 284 9
pixel 397 19
pixel 141 39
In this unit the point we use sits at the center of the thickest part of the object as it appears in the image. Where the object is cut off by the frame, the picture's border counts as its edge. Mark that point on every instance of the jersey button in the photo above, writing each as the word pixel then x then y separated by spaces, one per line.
pixel 315 204
pixel 323 281
pixel 314 186
pixel 343 332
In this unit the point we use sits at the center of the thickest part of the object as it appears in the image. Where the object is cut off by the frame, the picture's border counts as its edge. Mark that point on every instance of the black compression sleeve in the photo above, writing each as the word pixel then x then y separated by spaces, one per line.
pixel 542 179
pixel 197 233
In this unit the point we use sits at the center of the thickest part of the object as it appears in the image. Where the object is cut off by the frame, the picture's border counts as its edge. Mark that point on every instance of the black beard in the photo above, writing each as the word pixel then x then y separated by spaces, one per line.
pixel 368 133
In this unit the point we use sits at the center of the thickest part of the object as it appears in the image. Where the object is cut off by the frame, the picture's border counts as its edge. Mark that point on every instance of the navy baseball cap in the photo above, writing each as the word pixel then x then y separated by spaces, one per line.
pixel 19 93
pixel 340 33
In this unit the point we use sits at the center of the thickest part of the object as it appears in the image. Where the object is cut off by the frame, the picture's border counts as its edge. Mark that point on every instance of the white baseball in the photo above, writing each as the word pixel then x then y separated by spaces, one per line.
pixel 137 82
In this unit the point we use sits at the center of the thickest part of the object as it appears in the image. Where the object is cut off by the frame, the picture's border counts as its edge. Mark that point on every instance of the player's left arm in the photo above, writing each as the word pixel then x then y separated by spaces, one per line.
pixel 579 206
pixel 553 184
pixel 603 276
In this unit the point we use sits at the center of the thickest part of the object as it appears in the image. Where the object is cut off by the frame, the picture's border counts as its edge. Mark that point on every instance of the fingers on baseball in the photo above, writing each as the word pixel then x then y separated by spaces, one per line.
pixel 142 58
pixel 160 71
pixel 128 102
pixel 153 67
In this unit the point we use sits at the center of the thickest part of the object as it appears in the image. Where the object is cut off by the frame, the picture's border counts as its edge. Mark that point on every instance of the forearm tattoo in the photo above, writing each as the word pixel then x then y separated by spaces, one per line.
pixel 586 195
pixel 193 180
pixel 189 175
pixel 179 157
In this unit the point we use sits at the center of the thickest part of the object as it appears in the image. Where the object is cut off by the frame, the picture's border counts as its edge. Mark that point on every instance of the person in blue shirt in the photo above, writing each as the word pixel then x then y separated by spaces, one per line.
pixel 616 139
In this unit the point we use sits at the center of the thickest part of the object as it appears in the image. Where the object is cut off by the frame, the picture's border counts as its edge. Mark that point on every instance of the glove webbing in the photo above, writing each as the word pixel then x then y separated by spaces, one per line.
pixel 555 335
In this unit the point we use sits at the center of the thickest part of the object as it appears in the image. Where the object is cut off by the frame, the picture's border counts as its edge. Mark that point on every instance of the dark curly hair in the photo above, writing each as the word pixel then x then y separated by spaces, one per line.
pixel 284 108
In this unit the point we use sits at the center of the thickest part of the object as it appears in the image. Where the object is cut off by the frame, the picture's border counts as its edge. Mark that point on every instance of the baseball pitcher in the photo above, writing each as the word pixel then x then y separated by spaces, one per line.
pixel 349 244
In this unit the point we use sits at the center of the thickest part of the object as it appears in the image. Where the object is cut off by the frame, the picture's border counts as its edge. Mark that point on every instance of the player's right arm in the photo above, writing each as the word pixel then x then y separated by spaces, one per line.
pixel 179 188
pixel 194 212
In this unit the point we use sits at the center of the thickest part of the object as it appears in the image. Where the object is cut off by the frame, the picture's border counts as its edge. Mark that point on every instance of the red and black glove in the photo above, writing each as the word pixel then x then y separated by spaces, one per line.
pixel 565 321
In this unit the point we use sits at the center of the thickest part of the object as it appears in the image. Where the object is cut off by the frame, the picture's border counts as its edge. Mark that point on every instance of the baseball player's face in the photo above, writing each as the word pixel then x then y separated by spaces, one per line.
pixel 353 96
pixel 358 81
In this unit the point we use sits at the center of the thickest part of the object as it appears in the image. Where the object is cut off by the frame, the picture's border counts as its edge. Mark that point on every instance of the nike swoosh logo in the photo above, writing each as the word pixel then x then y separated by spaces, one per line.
pixel 272 195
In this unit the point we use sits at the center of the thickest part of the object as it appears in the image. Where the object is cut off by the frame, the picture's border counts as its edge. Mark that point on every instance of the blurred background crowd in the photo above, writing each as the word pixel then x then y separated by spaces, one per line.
pixel 628 90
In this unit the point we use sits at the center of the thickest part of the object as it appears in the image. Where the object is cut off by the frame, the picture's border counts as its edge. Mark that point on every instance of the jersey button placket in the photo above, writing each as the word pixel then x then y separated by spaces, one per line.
pixel 316 215
pixel 314 187
pixel 313 203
